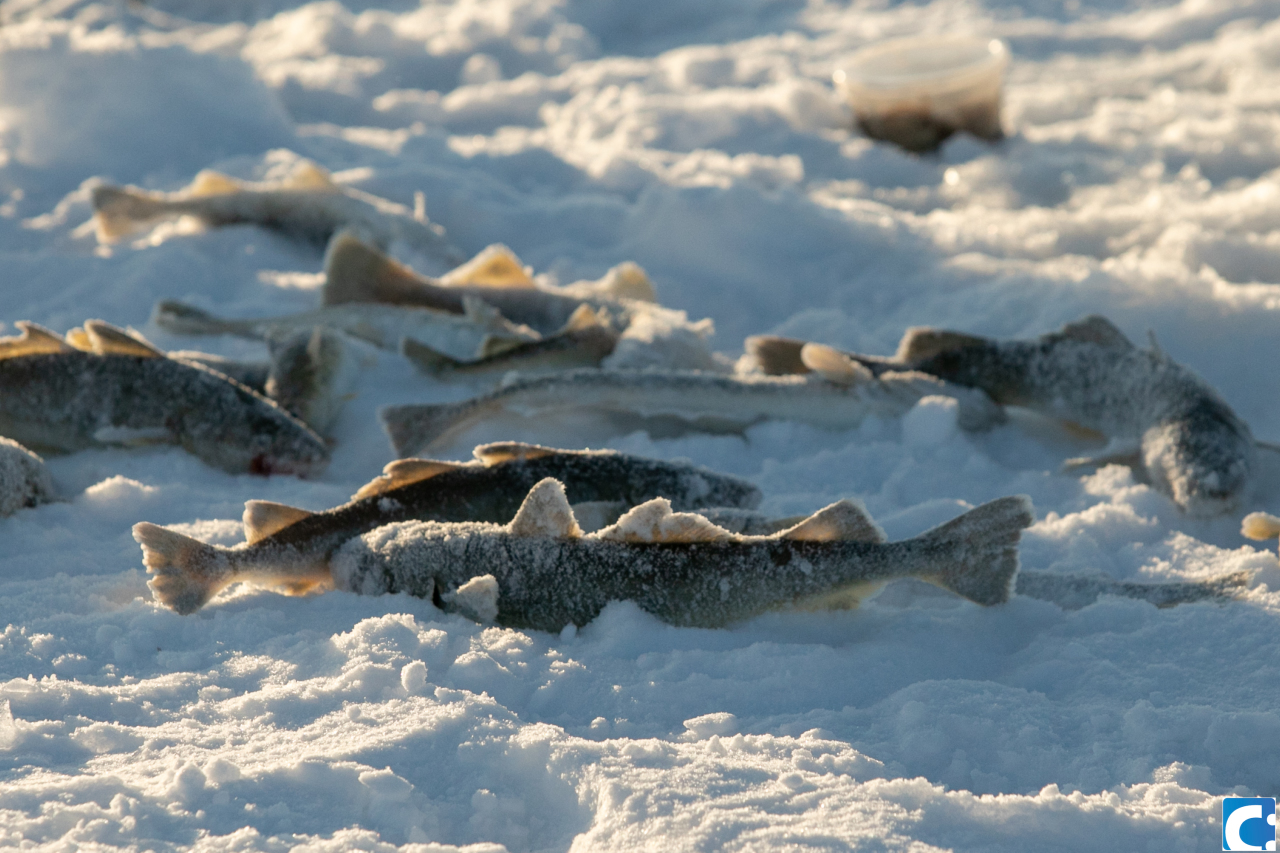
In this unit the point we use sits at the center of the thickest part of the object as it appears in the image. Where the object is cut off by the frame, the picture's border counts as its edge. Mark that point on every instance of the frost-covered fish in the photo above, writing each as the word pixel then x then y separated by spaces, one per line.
pixel 697 401
pixel 540 571
pixel 289 548
pixel 583 342
pixel 307 205
pixel 124 391
pixel 24 481
pixel 1161 418
pixel 385 326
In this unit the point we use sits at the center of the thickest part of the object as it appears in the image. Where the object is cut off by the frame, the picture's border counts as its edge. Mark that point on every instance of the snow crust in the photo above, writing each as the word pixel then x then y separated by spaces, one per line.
pixel 1140 180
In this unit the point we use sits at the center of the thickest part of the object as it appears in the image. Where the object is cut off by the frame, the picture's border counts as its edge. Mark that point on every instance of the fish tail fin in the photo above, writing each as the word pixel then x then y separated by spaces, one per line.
pixel 980 550
pixel 776 356
pixel 357 272
pixel 186 572
pixel 426 359
pixel 183 319
pixel 413 429
pixel 118 211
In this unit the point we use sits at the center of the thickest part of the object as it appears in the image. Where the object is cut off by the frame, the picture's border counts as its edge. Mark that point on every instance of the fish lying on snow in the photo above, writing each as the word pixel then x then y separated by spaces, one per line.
pixel 307 205
pixel 24 481
pixel 1162 418
pixel 121 390
pixel 289 548
pixel 649 334
pixel 540 571
pixel 699 401
pixel 385 326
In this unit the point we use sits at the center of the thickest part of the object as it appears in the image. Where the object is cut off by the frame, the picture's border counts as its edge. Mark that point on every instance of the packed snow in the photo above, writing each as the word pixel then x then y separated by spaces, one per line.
pixel 1140 179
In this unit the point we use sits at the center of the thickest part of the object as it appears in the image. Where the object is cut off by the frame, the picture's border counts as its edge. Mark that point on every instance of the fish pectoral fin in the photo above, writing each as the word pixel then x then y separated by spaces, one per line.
pixel 106 339
pixel 476 599
pixel 833 365
pixel 210 182
pixel 494 266
pixel 1095 329
pixel 506 451
pixel 653 521
pixel 1260 525
pixel 1130 457
pixel 32 340
pixel 403 472
pixel 922 342
pixel 308 175
pixel 841 521
pixel 266 518
pixel 426 359
pixel 546 513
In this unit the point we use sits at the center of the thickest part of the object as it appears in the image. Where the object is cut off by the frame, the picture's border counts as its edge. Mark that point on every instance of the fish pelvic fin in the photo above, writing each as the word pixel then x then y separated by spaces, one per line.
pixel 843 520
pixel 120 211
pixel 776 356
pixel 186 572
pixel 32 340
pixel 415 427
pixel 545 512
pixel 494 266
pixel 404 472
pixel 357 272
pixel 430 361
pixel 981 550
pixel 267 518
pixel 922 342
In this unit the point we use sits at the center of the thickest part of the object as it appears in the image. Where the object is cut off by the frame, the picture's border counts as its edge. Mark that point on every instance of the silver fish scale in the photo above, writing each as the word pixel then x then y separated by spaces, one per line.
pixel 71 401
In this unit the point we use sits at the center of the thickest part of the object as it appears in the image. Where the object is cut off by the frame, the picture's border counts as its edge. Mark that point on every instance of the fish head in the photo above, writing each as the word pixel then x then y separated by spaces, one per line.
pixel 1205 460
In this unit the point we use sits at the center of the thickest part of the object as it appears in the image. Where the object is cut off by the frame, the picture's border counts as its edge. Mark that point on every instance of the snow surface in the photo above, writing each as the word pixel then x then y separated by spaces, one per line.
pixel 1140 180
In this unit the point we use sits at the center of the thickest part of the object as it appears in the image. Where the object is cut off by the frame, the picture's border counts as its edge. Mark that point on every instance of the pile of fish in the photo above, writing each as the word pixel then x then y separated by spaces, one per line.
pixel 536 537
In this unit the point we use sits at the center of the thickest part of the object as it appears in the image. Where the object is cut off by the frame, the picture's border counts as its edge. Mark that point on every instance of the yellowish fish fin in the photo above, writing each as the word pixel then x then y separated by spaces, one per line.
pixel 1260 525
pixel 653 521
pixel 495 266
pixel 106 339
pixel 266 518
pixel 546 513
pixel 1096 330
pixel 357 272
pixel 403 472
pixel 476 599
pixel 308 175
pixel 921 342
pixel 33 340
pixel 506 451
pixel 842 521
pixel 833 365
pixel 209 182
pixel 775 356
pixel 492 345
pixel 628 280
pixel 583 317
pixel 79 339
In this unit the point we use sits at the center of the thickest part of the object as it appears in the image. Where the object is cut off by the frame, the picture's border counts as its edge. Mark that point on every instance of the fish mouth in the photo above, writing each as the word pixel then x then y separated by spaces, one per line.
pixel 266 465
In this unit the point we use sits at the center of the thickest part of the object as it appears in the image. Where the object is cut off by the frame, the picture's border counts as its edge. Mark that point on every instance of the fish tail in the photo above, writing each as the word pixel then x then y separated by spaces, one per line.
pixel 415 428
pixel 979 550
pixel 186 572
pixel 118 211
pixel 183 319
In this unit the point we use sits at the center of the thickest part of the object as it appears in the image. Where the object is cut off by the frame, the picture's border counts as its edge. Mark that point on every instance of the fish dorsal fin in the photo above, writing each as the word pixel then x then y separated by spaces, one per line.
pixel 653 521
pixel 843 521
pixel 33 340
pixel 628 280
pixel 583 317
pixel 507 451
pixel 107 339
pixel 546 513
pixel 1260 525
pixel 79 339
pixel 266 518
pixel 357 272
pixel 921 342
pixel 209 182
pixel 495 266
pixel 833 365
pixel 1098 330
pixel 309 176
pixel 403 472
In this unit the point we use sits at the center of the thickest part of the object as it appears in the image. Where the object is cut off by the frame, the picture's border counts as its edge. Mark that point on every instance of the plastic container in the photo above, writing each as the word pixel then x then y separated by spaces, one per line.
pixel 916 92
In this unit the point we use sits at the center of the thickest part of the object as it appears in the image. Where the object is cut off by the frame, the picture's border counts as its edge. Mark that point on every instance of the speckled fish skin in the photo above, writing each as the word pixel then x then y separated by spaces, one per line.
pixel 547 583
pixel 1193 446
pixel 24 480
pixel 75 400
pixel 471 492
pixel 703 401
